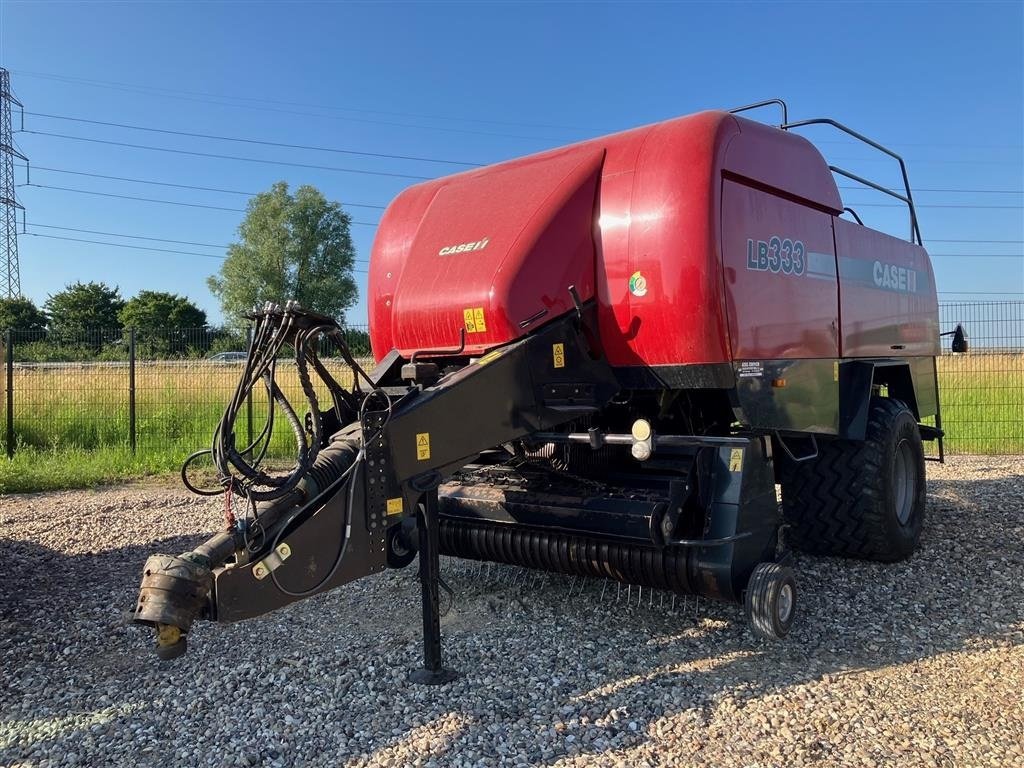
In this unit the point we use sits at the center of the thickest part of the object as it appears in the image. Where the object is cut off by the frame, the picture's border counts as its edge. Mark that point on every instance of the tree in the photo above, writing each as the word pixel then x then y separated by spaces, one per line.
pixel 291 247
pixel 85 310
pixel 157 310
pixel 169 324
pixel 21 314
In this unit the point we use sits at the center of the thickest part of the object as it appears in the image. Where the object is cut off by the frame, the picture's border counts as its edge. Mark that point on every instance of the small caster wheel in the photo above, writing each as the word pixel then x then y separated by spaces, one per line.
pixel 398 552
pixel 770 600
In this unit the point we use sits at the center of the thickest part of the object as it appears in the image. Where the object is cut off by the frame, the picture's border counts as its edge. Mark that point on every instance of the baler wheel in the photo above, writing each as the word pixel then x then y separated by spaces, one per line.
pixel 863 499
pixel 399 554
pixel 770 600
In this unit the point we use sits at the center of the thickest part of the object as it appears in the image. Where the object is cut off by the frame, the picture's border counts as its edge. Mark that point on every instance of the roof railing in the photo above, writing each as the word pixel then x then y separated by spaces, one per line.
pixel 766 103
pixel 908 198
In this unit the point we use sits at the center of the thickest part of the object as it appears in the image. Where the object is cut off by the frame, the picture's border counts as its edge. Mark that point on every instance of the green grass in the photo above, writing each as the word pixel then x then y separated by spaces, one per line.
pixel 72 423
pixel 45 469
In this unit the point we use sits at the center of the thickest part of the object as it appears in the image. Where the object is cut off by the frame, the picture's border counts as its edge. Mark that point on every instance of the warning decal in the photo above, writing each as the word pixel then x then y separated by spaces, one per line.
pixel 735 459
pixel 473 318
pixel 422 446
pixel 394 506
pixel 558 353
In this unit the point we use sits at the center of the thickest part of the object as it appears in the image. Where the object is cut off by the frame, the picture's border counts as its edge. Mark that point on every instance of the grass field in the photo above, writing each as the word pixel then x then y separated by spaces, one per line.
pixel 72 423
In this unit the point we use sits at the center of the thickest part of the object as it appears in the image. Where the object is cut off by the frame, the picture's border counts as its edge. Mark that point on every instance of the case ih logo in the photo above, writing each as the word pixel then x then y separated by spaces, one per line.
pixel 477 245
pixel 894 278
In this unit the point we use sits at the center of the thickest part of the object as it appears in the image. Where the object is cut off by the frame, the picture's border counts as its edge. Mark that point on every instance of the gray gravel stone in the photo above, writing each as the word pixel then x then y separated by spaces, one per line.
pixel 919 663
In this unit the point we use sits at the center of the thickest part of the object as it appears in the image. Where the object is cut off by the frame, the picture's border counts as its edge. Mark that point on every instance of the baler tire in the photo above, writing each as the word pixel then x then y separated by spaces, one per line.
pixel 770 600
pixel 847 501
pixel 399 555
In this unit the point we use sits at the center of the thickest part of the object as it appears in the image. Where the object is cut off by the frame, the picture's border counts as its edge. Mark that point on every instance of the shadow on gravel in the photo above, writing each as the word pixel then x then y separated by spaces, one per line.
pixel 50 600
pixel 553 671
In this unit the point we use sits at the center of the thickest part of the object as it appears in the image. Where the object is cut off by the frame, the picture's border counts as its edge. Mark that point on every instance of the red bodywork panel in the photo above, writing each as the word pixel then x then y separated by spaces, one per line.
pixel 658 224
pixel 886 295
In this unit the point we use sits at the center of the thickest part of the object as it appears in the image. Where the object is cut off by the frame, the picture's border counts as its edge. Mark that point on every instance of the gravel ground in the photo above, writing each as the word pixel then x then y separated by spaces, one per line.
pixel 918 663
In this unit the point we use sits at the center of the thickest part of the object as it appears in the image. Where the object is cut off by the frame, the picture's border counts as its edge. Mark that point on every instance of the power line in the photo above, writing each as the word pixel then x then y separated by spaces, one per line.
pixel 181 186
pixel 140 237
pixel 140 247
pixel 343 118
pixel 937 205
pixel 915 190
pixel 236 158
pixel 158 90
pixel 977 255
pixel 118 234
pixel 126 245
pixel 239 140
pixel 139 199
pixel 161 202
pixel 937 240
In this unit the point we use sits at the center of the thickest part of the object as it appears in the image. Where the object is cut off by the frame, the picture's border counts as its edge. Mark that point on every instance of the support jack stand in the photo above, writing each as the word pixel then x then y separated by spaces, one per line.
pixel 432 673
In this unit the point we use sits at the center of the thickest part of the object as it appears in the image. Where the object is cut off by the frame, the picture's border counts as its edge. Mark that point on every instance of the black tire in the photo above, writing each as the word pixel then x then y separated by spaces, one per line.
pixel 399 554
pixel 770 600
pixel 863 499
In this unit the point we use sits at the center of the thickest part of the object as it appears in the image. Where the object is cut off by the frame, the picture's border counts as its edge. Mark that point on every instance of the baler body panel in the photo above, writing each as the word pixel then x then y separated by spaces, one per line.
pixel 781 287
pixel 887 296
pixel 491 251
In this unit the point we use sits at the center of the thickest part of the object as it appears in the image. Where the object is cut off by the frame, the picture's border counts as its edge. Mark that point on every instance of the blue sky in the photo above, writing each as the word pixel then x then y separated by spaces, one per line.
pixel 941 83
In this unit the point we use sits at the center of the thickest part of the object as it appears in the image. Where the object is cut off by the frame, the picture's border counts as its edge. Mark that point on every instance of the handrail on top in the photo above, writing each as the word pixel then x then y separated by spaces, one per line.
pixel 915 229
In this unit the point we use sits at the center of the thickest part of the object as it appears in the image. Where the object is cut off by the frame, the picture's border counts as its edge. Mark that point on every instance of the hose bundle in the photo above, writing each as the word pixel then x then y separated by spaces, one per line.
pixel 239 469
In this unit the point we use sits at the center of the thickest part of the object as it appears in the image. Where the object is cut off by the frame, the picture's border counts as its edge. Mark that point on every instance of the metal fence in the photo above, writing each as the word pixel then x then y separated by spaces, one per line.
pixel 163 391
pixel 157 391
pixel 982 391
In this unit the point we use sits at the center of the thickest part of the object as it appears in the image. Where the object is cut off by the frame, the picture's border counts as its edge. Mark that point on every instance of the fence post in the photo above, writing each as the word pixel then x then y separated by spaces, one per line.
pixel 131 388
pixel 248 400
pixel 9 347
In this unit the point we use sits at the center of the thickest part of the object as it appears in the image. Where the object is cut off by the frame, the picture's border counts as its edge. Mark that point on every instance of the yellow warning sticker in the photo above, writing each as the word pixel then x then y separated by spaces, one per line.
pixel 473 319
pixel 558 353
pixel 835 370
pixel 735 459
pixel 422 446
pixel 395 506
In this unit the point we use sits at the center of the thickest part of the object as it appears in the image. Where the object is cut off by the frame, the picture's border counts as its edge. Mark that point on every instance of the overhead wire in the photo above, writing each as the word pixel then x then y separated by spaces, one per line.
pixel 138 247
pixel 118 234
pixel 137 237
pixel 182 186
pixel 158 89
pixel 162 202
pixel 235 158
pixel 259 142
pixel 342 118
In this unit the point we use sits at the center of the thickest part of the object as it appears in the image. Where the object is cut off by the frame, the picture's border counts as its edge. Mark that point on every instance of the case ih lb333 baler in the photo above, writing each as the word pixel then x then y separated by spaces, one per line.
pixel 597 360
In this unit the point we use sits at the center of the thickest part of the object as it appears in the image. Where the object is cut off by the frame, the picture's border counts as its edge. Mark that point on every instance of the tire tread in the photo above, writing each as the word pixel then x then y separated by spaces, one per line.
pixel 834 506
